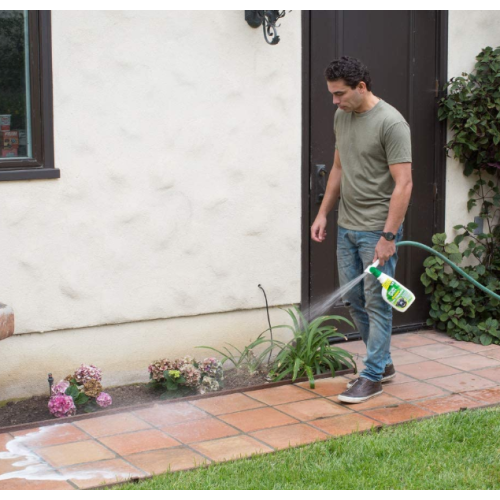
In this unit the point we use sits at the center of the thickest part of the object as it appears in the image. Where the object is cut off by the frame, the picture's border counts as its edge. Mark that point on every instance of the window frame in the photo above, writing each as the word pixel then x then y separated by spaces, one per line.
pixel 41 165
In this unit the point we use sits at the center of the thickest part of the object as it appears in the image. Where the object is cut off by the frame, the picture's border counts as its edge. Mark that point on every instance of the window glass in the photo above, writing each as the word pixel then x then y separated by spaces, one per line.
pixel 15 119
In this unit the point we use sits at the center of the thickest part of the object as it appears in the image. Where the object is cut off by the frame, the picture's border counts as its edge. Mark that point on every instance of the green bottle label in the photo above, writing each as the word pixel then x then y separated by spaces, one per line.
pixel 398 296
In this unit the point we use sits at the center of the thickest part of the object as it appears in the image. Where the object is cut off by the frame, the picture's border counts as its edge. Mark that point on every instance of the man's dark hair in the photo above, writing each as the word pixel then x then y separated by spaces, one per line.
pixel 349 69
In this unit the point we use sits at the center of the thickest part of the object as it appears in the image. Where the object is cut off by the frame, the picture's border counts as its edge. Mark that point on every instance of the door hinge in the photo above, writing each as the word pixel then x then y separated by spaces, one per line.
pixel 437 88
pixel 435 191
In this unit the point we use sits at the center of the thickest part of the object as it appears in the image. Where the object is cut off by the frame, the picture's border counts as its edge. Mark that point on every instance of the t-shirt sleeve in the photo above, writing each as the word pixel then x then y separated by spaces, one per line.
pixel 335 129
pixel 397 141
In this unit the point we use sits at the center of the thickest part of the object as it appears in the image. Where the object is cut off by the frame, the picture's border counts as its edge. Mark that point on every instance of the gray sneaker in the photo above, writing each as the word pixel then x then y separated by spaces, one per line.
pixel 389 372
pixel 361 390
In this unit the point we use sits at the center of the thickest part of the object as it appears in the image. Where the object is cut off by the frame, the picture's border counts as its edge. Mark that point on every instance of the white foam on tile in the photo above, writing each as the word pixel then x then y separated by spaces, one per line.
pixel 33 468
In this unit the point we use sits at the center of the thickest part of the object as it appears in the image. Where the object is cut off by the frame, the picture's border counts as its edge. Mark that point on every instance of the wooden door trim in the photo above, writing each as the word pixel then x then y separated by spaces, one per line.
pixel 306 155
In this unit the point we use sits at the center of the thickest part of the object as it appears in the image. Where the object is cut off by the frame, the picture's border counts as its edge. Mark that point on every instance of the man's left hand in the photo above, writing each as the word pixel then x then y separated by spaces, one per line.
pixel 384 251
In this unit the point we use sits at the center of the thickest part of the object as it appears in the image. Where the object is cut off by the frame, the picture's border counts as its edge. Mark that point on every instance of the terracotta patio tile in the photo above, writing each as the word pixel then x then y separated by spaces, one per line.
pixel 470 362
pixel 135 442
pixel 327 386
pixel 345 424
pixel 26 484
pixel 428 369
pixel 231 448
pixel 312 410
pixel 473 347
pixel 489 396
pixel 357 346
pixel 173 413
pixel 379 401
pixel 413 390
pixel 157 462
pixel 112 424
pixel 74 453
pixel 436 351
pixel 448 403
pixel 100 473
pixel 406 340
pixel 227 404
pixel 400 378
pixel 282 394
pixel 402 357
pixel 200 430
pixel 261 418
pixel 493 353
pixel 446 339
pixel 51 435
pixel 291 435
pixel 398 414
pixel 490 373
pixel 4 439
pixel 462 382
pixel 434 335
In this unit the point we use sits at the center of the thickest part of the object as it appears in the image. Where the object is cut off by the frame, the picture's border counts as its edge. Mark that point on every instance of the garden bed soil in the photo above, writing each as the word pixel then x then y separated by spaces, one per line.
pixel 35 409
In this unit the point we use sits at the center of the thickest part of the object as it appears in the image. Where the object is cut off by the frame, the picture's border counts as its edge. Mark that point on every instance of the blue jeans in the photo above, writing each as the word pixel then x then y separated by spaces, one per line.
pixel 370 313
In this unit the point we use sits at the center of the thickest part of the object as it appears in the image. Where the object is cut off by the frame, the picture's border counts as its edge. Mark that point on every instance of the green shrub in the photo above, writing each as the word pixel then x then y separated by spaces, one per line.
pixel 472 108
pixel 457 306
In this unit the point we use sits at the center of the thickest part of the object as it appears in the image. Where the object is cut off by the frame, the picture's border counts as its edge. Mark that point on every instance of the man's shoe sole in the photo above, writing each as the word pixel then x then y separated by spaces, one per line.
pixel 348 399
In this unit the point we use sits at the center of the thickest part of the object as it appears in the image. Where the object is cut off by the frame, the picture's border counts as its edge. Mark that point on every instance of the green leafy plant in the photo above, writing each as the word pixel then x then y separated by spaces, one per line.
pixel 457 306
pixel 472 108
pixel 244 358
pixel 310 352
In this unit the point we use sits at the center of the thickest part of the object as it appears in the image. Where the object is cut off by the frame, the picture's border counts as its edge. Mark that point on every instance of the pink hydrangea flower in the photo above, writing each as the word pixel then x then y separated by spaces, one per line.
pixel 191 374
pixel 211 367
pixel 86 373
pixel 62 406
pixel 104 399
pixel 60 388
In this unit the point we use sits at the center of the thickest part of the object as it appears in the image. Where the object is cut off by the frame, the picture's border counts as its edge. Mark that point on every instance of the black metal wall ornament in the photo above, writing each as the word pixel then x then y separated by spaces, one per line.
pixel 268 19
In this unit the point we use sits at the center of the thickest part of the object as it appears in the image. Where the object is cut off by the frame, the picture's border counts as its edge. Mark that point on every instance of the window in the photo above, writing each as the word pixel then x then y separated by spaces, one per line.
pixel 26 123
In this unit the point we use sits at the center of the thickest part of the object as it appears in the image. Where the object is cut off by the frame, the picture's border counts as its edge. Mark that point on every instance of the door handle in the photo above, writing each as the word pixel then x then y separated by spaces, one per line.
pixel 320 175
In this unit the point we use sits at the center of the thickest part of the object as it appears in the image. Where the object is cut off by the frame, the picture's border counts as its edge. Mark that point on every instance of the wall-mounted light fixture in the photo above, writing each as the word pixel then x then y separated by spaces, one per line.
pixel 268 19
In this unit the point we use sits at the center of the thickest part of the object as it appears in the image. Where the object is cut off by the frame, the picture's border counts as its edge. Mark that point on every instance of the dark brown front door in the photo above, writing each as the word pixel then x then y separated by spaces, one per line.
pixel 404 51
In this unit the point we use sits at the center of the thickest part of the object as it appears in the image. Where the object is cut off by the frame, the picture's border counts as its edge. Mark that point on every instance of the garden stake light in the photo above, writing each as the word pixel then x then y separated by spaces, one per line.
pixel 51 381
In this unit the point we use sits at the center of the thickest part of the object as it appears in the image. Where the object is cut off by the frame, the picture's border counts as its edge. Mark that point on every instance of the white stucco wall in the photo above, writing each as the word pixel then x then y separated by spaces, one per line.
pixel 469 32
pixel 178 136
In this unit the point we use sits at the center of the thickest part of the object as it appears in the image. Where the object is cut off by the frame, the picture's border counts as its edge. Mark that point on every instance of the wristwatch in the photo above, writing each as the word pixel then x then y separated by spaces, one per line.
pixel 389 236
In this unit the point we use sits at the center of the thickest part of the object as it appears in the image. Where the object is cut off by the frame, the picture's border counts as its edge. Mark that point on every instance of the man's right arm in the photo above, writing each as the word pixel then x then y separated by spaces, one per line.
pixel 332 192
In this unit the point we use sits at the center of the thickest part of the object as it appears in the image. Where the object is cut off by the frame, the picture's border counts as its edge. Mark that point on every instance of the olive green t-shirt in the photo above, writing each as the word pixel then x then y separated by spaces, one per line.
pixel 367 144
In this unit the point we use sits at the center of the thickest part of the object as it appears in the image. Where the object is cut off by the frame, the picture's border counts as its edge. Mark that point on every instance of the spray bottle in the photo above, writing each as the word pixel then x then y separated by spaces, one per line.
pixel 393 292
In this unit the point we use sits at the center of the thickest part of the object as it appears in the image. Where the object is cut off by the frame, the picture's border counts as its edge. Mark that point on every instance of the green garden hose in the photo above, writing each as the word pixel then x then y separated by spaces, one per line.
pixel 450 263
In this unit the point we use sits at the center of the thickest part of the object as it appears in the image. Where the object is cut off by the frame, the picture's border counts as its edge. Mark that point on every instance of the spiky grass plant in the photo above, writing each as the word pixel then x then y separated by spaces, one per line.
pixel 309 353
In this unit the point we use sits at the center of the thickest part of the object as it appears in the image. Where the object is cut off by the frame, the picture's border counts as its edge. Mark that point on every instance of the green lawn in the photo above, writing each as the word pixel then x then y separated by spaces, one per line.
pixel 454 451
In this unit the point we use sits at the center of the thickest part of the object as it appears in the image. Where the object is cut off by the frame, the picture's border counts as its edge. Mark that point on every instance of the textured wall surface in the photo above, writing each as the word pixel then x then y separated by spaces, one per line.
pixel 178 136
pixel 469 32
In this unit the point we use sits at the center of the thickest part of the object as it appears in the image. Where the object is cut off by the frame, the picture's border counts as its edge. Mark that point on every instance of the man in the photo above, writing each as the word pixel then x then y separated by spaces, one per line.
pixel 372 174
